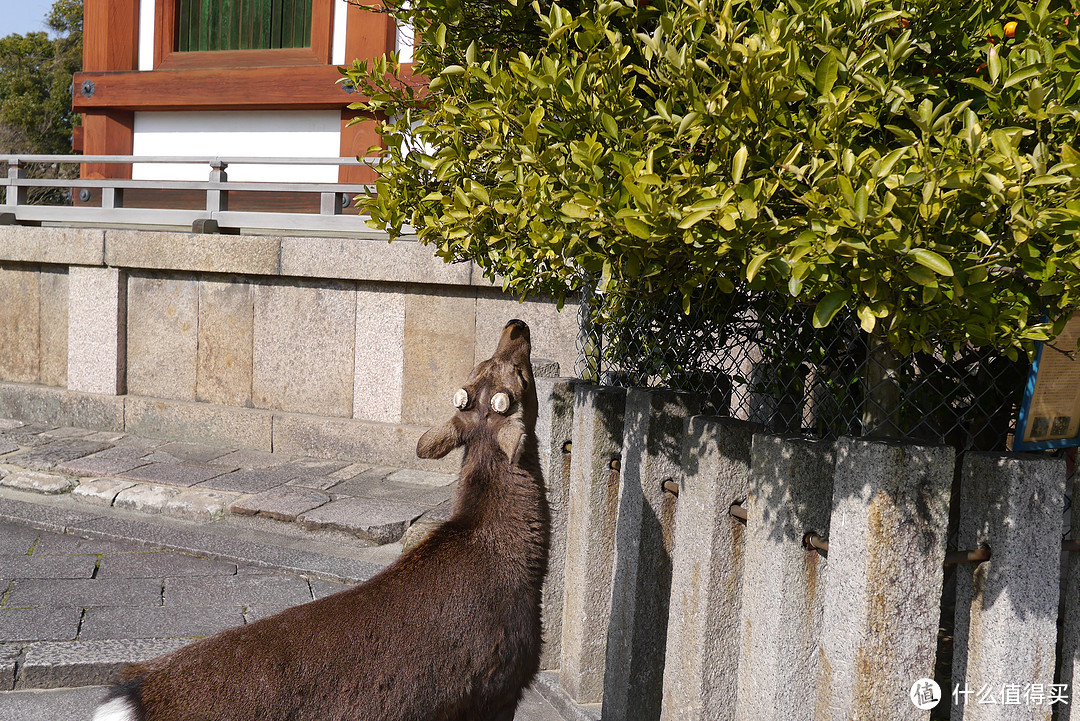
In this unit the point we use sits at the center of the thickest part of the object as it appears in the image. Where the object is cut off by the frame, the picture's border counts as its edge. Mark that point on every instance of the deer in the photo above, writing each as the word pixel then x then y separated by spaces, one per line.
pixel 450 631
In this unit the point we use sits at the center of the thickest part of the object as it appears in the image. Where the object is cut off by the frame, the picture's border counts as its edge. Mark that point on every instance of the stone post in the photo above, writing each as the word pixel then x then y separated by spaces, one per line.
pixel 637 633
pixel 1006 608
pixel 791 485
pixel 888 528
pixel 590 538
pixel 97 330
pixel 701 660
pixel 1069 672
pixel 554 429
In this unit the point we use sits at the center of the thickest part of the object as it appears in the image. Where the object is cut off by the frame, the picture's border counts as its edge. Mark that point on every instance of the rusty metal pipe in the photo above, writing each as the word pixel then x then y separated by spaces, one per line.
pixel 671 487
pixel 977 555
pixel 816 542
pixel 737 511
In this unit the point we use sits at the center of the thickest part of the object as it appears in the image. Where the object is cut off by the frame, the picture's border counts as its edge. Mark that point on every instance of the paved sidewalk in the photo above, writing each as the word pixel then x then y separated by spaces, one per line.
pixel 377 504
pixel 115 549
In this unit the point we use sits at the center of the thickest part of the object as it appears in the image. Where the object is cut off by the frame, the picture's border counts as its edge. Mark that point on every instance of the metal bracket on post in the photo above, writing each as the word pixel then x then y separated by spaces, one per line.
pixel 112 198
pixel 329 204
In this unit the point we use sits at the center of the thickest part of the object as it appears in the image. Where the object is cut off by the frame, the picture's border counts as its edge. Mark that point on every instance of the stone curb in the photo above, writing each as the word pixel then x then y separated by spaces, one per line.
pixel 188 540
pixel 60 664
pixel 547 685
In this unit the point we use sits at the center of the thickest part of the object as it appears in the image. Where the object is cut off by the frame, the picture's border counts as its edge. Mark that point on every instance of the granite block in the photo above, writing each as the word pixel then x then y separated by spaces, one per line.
pixel 304 351
pixel 97 322
pixel 48 456
pixel 101 491
pixel 44 566
pixel 160 564
pixel 380 353
pixel 53 327
pixel 438 352
pixel 162 335
pixel 62 593
pixel 159 622
pixel 244 590
pixel 284 503
pixel 82 663
pixel 377 520
pixel 172 474
pixel 226 344
pixel 39 624
pixel 19 322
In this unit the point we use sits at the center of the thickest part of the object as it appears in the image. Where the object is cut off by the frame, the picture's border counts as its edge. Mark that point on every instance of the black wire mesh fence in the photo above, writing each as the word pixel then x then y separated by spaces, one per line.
pixel 751 357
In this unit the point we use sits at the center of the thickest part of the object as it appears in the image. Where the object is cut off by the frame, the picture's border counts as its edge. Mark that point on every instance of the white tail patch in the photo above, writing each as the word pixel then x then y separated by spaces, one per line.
pixel 117 709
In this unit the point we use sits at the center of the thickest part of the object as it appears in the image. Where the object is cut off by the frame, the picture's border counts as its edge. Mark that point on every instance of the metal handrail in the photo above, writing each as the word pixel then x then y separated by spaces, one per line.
pixel 185 159
pixel 215 217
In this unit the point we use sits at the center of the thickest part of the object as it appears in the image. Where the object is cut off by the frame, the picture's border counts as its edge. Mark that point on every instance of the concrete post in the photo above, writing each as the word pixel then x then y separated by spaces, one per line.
pixel 791 485
pixel 701 662
pixel 637 633
pixel 1006 608
pixel 1069 672
pixel 554 429
pixel 97 330
pixel 886 553
pixel 590 538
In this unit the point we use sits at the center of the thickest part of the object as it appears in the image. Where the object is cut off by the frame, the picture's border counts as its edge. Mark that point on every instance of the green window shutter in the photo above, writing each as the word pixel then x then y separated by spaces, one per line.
pixel 207 25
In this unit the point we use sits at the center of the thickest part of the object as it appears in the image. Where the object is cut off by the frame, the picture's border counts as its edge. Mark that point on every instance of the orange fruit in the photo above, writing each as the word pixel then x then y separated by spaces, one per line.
pixel 1010 29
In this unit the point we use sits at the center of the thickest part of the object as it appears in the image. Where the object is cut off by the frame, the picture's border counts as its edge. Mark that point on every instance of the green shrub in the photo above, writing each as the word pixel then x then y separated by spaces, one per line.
pixel 907 160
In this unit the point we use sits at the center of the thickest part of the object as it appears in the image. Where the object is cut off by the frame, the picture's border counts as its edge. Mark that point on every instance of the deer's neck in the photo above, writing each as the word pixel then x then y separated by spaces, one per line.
pixel 505 506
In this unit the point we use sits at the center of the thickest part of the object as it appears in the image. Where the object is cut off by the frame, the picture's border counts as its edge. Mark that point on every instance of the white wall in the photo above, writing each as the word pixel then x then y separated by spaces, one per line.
pixel 252 133
pixel 337 47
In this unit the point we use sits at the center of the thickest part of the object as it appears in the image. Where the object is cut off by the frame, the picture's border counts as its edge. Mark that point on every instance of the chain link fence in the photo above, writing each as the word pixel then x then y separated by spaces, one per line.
pixel 751 357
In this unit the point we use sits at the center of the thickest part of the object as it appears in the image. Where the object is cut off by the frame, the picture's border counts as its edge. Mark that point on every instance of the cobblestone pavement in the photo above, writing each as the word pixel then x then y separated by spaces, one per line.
pixel 115 549
pixel 376 504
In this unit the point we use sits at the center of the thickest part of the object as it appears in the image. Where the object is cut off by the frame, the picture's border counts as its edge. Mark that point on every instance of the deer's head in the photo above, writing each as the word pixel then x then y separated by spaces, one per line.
pixel 496 405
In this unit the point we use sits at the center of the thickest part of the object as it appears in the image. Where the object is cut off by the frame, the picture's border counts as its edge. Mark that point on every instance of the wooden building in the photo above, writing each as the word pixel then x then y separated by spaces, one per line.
pixel 251 78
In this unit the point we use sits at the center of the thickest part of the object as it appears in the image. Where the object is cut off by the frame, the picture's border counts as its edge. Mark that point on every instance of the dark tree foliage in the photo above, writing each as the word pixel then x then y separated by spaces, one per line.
pixel 35 83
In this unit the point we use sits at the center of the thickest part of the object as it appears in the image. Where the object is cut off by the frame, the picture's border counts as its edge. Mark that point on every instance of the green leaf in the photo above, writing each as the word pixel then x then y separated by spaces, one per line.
pixel 638 228
pixel 610 127
pixel 573 210
pixel 755 264
pixel 931 260
pixel 861 204
pixel 867 320
pixel 738 164
pixel 829 306
pixel 693 217
pixel 825 75
pixel 1021 75
pixel 993 63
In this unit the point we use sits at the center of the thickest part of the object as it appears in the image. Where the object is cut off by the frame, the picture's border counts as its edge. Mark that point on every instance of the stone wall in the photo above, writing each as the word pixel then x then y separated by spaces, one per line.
pixel 738 615
pixel 325 346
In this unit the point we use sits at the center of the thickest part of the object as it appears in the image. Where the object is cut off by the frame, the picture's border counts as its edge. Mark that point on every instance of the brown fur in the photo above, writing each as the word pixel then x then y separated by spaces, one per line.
pixel 449 632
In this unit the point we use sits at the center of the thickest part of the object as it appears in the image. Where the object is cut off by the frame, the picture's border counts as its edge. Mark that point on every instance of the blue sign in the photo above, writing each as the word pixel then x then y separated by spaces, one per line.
pixel 1050 413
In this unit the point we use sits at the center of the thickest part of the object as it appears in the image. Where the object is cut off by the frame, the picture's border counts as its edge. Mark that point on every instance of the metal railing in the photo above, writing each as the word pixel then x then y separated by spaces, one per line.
pixel 216 216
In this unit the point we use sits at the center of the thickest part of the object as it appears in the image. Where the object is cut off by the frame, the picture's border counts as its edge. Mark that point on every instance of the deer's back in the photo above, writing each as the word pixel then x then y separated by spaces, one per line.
pixel 441 628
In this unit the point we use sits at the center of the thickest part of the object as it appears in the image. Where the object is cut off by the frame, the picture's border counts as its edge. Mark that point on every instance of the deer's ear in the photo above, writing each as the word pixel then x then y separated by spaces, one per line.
pixel 512 440
pixel 440 440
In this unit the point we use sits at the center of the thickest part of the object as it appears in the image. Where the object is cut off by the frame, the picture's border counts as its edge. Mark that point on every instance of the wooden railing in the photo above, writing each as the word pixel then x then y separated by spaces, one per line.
pixel 215 216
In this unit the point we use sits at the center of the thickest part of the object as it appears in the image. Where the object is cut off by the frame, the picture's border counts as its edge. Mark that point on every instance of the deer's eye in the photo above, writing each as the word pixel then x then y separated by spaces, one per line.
pixel 461 398
pixel 500 403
